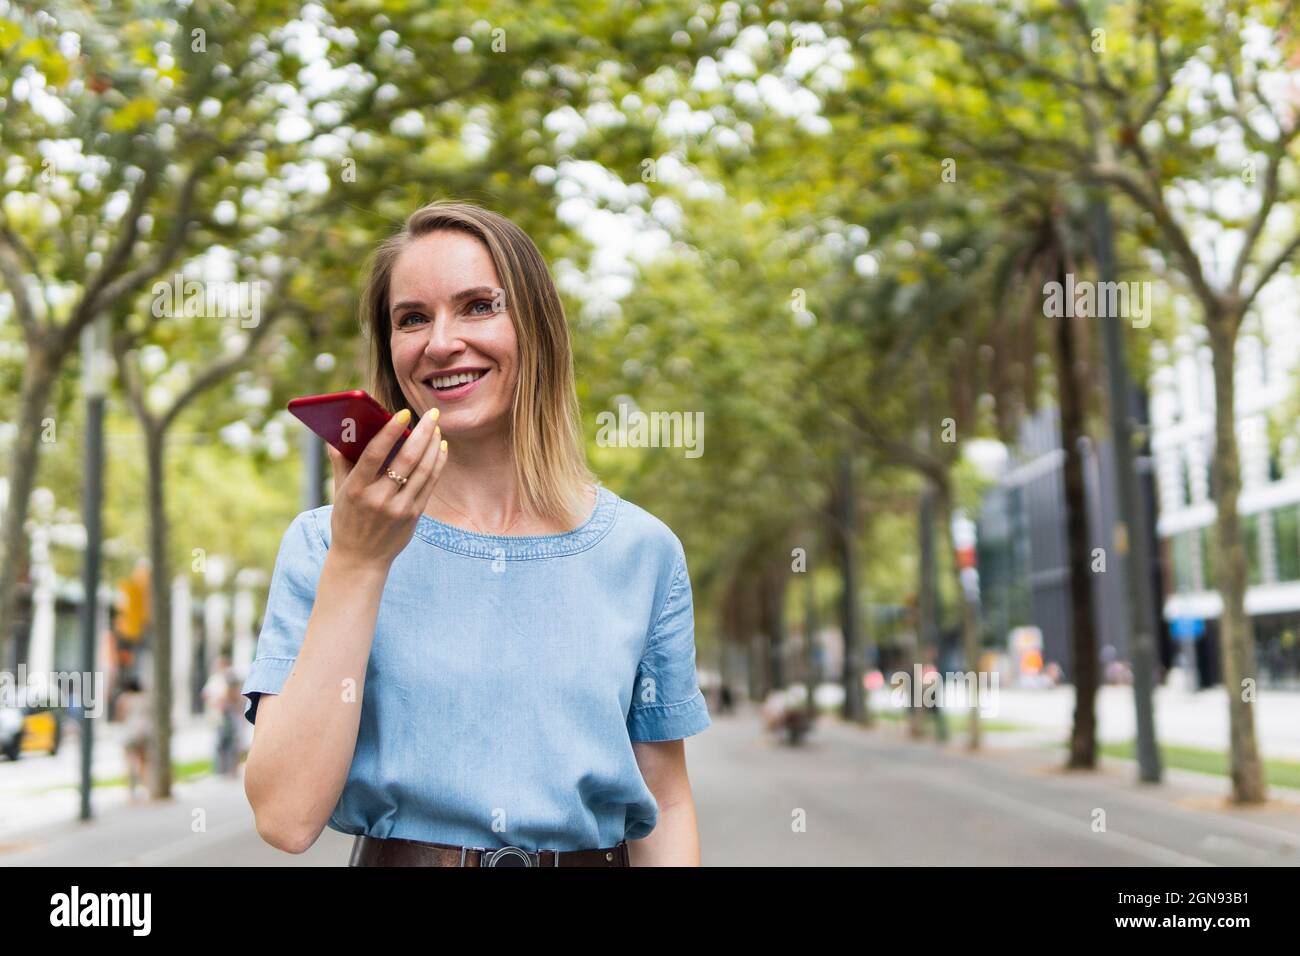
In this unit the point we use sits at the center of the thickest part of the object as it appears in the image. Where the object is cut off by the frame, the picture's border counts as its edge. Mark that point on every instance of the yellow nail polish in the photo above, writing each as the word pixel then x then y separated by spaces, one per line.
pixel 435 413
pixel 444 444
pixel 404 415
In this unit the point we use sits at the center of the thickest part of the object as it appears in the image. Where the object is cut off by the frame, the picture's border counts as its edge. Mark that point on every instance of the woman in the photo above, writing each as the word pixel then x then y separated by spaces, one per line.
pixel 479 656
pixel 221 699
pixel 133 711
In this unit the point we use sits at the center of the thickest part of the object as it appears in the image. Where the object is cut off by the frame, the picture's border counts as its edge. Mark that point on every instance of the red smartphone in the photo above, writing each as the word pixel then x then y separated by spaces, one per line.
pixel 347 420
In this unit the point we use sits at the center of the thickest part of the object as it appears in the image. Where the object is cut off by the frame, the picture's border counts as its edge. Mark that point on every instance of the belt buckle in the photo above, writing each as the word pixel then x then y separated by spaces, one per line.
pixel 510 853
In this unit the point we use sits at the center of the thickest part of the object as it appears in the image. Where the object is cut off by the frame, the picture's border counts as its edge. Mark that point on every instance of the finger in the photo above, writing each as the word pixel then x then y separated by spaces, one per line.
pixel 408 458
pixel 377 450
pixel 424 467
pixel 340 466
pixel 426 491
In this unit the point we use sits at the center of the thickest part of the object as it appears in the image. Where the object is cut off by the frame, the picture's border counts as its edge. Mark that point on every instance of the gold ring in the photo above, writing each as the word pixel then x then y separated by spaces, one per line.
pixel 396 477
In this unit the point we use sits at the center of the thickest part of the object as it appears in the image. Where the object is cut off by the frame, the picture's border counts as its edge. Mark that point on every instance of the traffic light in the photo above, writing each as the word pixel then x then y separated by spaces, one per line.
pixel 135 608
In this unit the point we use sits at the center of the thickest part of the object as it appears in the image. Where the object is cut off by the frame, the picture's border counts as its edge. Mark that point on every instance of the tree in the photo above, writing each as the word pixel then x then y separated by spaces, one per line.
pixel 1046 255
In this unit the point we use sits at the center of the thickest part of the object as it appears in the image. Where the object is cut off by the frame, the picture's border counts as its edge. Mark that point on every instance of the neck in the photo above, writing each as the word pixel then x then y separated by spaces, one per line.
pixel 479 479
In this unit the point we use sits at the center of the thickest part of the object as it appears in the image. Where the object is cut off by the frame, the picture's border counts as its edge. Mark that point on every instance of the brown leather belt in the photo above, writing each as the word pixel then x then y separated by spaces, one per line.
pixel 374 851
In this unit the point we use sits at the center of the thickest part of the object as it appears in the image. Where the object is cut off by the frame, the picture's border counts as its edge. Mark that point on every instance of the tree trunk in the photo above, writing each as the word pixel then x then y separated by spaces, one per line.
pixel 927 630
pixel 773 598
pixel 855 703
pixel 1236 633
pixel 160 768
pixel 811 675
pixel 37 383
pixel 731 634
pixel 748 626
pixel 969 630
pixel 1083 614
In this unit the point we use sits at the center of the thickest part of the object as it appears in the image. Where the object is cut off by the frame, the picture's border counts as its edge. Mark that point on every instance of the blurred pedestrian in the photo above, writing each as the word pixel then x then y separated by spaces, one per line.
pixel 133 711
pixel 774 710
pixel 935 710
pixel 221 699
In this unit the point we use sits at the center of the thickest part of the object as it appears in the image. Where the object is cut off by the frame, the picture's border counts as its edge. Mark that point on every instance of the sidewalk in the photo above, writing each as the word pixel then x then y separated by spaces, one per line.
pixel 39 790
pixel 207 822
pixel 1191 719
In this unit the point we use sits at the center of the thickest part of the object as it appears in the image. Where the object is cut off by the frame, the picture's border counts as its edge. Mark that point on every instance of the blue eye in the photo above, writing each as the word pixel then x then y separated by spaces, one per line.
pixel 487 302
pixel 410 315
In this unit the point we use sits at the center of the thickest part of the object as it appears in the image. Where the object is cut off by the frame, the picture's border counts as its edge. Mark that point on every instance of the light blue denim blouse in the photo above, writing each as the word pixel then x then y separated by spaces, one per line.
pixel 508 678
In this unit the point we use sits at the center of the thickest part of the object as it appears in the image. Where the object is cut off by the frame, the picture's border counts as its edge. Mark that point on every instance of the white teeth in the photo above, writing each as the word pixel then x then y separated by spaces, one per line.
pixel 446 381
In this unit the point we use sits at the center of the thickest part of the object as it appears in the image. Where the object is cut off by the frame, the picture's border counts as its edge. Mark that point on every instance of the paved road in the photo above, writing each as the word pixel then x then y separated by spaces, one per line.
pixel 865 797
pixel 875 798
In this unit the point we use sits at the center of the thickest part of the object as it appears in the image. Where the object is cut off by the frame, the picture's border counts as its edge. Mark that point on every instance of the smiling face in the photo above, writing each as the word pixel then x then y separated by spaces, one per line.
pixel 450 349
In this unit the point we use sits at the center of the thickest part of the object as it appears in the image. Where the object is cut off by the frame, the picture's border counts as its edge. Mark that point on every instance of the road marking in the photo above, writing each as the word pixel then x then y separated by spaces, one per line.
pixel 1073 825
pixel 1213 841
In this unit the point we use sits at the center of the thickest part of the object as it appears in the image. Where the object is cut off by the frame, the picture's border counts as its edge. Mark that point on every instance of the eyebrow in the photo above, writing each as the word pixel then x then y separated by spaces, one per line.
pixel 458 297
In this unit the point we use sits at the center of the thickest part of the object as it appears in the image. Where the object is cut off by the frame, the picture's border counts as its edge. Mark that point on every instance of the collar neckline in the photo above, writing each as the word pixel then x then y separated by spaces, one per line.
pixel 523 547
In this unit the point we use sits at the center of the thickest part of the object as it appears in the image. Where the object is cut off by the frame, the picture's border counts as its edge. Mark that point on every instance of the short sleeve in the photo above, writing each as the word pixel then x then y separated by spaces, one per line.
pixel 288 608
pixel 667 703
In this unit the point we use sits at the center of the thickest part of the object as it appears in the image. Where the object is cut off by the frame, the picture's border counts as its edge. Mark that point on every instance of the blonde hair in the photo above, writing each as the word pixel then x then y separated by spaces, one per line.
pixel 545 430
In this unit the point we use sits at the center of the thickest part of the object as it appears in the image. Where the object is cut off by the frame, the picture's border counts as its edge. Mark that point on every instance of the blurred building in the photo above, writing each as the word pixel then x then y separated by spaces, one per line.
pixel 1182 418
pixel 1022 548
pixel 1023 555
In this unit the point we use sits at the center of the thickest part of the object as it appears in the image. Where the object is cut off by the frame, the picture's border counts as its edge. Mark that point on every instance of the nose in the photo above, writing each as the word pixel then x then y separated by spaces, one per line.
pixel 444 340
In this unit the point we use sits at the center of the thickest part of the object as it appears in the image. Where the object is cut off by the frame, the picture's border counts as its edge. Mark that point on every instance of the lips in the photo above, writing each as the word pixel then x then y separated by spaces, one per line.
pixel 455 385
